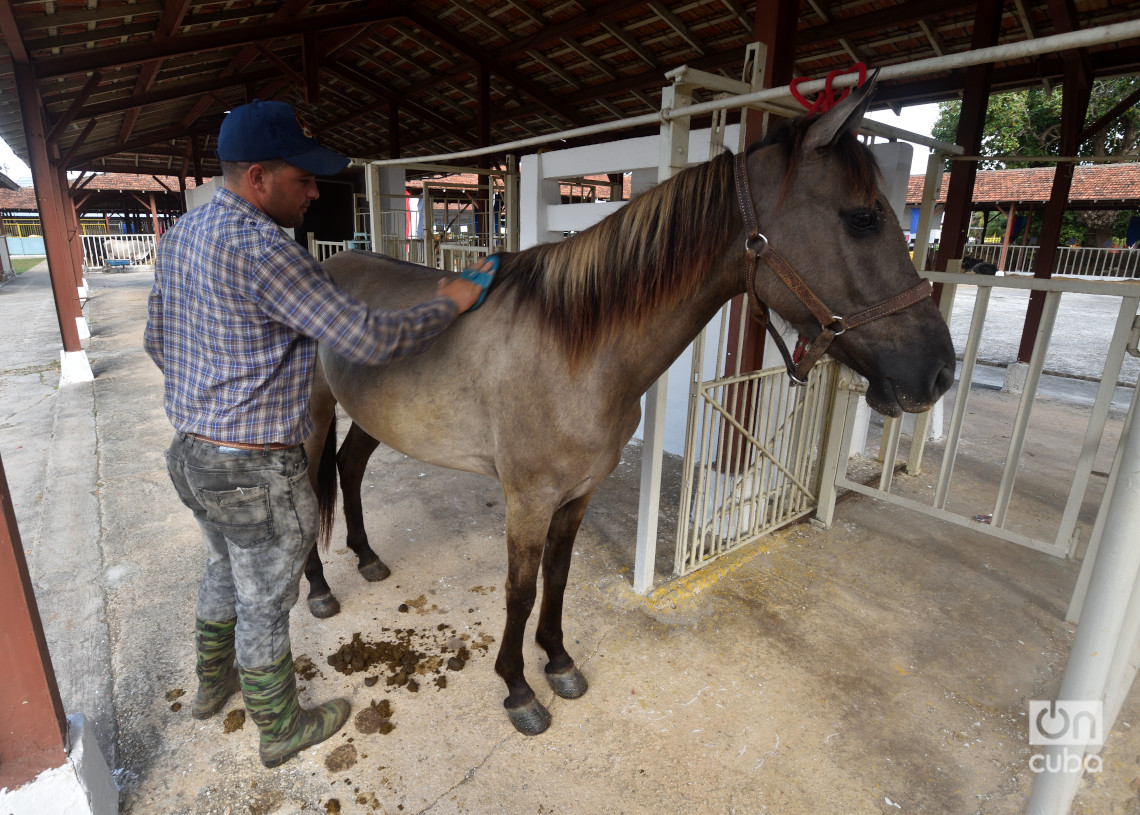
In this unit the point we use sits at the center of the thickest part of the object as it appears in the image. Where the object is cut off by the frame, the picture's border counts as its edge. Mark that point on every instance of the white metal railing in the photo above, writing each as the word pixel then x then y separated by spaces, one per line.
pixel 1063 541
pixel 1072 261
pixel 323 250
pixel 112 251
pixel 455 257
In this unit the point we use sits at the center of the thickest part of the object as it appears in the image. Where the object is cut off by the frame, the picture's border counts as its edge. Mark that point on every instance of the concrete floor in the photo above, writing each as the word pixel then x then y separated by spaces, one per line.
pixel 881 666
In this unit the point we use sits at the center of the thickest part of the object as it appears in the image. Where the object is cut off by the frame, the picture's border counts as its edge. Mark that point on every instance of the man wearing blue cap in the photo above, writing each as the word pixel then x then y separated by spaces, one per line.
pixel 236 313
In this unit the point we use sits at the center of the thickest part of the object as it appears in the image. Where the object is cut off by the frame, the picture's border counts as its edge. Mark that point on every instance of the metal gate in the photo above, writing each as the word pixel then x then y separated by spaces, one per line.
pixel 751 459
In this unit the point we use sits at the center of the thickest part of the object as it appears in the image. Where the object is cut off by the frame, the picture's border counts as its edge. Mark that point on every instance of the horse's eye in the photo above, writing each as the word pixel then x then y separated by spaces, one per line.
pixel 863 220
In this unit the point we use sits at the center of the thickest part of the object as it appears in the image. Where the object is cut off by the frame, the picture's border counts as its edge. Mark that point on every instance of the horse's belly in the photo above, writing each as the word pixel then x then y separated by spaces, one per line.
pixel 404 407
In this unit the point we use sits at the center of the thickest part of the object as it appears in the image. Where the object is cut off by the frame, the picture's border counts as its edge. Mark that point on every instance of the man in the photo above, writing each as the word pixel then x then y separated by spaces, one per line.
pixel 235 315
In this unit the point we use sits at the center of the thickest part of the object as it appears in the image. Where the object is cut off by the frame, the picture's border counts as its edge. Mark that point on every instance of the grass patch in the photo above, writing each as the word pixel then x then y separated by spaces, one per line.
pixel 21 265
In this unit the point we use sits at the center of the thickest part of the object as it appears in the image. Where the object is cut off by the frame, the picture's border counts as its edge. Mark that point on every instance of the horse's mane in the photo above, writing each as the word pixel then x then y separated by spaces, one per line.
pixel 655 250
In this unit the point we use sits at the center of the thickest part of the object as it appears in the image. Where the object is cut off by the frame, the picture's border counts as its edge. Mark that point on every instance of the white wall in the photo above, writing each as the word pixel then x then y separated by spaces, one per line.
pixel 199 195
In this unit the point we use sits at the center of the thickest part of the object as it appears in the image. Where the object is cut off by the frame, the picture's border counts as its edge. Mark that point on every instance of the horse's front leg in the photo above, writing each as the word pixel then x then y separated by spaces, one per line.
pixel 526 534
pixel 563 676
pixel 352 462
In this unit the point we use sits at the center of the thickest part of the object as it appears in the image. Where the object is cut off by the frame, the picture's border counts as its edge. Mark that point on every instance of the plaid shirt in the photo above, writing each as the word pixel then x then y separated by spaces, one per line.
pixel 236 313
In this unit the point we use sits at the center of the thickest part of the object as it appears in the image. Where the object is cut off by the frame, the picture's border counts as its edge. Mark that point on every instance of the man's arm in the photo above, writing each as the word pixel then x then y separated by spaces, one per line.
pixel 152 334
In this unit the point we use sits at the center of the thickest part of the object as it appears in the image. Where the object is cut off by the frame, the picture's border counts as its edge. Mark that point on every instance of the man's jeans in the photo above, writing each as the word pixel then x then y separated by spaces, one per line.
pixel 258 516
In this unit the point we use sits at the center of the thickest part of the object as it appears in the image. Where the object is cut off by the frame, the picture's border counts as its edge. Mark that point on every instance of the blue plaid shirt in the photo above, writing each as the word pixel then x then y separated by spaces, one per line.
pixel 236 313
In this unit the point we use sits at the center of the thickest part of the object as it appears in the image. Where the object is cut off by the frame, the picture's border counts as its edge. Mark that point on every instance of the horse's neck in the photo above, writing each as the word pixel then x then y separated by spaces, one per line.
pixel 645 354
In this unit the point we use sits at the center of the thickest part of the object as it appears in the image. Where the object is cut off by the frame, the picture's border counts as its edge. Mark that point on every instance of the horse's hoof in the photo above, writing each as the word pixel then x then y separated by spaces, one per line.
pixel 568 685
pixel 530 719
pixel 375 571
pixel 324 606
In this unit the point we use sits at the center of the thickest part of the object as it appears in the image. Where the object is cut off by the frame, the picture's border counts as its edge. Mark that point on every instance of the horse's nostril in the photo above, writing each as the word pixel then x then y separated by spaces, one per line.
pixel 944 379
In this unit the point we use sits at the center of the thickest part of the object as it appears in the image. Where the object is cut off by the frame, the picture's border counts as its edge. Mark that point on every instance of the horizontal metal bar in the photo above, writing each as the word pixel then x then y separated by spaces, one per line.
pixel 957 520
pixel 1116 288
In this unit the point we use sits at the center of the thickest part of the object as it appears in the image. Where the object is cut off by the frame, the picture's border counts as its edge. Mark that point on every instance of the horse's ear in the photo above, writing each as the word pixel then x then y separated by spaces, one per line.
pixel 845 116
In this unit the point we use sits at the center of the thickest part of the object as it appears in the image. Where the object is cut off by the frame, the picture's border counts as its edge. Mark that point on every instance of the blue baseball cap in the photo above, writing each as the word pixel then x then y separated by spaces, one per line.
pixel 261 131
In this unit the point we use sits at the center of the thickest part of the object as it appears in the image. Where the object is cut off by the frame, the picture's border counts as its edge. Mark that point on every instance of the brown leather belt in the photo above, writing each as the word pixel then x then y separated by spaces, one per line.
pixel 240 445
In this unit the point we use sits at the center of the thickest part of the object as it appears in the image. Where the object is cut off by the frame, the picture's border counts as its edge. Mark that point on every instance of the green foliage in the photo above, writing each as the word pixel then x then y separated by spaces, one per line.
pixel 1028 123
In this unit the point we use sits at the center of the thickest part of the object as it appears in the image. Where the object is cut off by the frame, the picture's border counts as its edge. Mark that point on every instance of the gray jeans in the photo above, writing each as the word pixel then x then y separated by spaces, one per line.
pixel 258 517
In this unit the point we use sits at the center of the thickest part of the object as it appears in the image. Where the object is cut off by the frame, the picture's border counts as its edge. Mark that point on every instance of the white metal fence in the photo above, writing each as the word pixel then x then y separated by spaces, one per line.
pixel 109 252
pixel 323 250
pixel 1072 261
pixel 996 522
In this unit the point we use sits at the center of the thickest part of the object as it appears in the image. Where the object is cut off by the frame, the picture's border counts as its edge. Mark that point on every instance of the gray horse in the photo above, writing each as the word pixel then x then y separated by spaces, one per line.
pixel 540 387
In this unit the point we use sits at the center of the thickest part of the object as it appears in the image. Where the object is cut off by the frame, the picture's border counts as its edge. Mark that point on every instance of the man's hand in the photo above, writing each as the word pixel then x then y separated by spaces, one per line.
pixel 462 292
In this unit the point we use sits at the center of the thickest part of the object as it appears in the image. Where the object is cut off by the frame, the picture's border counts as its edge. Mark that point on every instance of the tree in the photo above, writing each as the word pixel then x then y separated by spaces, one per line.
pixel 1028 123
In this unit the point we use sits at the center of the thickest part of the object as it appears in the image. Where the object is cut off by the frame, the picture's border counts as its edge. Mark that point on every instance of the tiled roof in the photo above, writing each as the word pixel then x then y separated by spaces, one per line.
pixel 23 199
pixel 1091 184
pixel 128 182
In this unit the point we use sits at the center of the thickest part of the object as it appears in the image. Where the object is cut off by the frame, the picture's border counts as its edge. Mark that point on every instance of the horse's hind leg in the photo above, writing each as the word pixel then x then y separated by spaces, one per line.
pixel 526 532
pixel 352 462
pixel 563 676
pixel 320 444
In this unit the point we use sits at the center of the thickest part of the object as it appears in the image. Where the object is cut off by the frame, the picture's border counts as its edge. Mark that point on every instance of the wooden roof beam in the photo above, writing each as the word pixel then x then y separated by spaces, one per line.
pixel 168 26
pixel 890 17
pixel 169 93
pixel 538 93
pixel 353 77
pixel 619 34
pixel 69 115
pixel 678 25
pixel 240 35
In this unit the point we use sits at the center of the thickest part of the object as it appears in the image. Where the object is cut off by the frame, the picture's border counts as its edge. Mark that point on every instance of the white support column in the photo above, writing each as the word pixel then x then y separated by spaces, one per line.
pixel 674 157
pixel 372 193
pixel 1099 644
pixel 536 194
pixel 511 193
pixel 74 368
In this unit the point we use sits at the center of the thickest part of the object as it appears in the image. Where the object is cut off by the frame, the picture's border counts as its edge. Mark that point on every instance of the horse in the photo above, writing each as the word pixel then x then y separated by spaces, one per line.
pixel 540 387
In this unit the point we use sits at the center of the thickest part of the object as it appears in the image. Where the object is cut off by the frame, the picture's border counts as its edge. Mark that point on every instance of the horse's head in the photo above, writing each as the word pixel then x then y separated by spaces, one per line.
pixel 827 218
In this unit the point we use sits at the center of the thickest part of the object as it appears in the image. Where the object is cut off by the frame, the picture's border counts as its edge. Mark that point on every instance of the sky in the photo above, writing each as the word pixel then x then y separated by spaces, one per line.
pixel 916 119
pixel 12 167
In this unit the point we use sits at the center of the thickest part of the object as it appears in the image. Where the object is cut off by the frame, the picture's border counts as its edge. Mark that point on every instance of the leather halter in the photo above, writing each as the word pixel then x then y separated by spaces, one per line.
pixel 757 248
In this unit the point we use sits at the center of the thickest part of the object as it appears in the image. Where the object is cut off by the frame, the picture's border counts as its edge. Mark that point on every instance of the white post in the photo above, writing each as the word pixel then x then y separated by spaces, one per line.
pixel 536 194
pixel 1098 638
pixel 674 157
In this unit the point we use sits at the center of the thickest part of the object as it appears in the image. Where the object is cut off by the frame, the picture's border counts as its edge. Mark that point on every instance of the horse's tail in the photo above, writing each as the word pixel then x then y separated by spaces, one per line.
pixel 326 486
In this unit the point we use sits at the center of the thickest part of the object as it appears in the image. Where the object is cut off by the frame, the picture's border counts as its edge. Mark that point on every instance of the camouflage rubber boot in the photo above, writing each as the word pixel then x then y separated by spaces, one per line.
pixel 286 728
pixel 217 674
